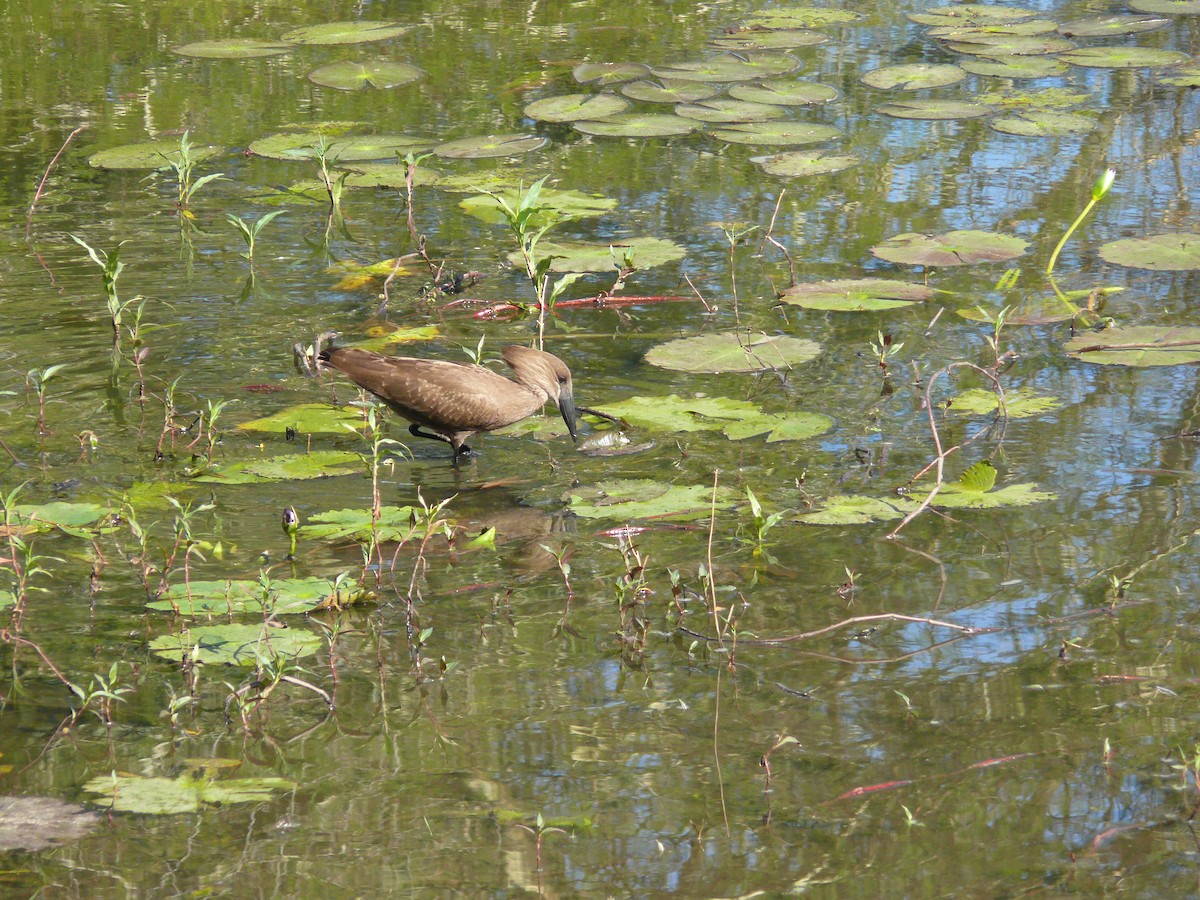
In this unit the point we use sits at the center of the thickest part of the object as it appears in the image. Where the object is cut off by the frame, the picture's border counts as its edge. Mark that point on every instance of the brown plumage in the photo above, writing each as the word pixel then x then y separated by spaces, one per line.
pixel 456 400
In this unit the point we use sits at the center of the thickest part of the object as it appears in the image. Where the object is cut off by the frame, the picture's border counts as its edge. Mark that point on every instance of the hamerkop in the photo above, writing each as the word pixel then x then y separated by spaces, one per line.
pixel 456 400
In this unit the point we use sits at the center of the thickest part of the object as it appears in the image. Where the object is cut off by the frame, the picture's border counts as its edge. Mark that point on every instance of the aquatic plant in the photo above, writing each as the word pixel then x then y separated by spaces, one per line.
pixel 184 165
pixel 102 692
pixel 249 232
pixel 1099 189
pixel 111 267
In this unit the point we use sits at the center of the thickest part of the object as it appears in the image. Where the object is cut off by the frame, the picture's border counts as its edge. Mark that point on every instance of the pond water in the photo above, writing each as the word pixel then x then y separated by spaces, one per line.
pixel 681 664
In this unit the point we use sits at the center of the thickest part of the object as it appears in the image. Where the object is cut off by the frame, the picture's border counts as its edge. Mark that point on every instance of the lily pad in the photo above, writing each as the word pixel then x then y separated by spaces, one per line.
pixel 296 467
pixel 856 295
pixel 784 92
pixel 1001 45
pixel 552 205
pixel 285 596
pixel 1161 252
pixel 1185 76
pixel 780 134
pixel 395 524
pixel 851 509
pixel 1044 123
pixel 1167 7
pixel 681 414
pixel 1124 57
pixel 1014 66
pixel 148 155
pixel 1112 25
pixel 645 499
pixel 386 339
pixel 346 32
pixel 489 146
pixel 728 111
pixel 638 125
pixel 237 645
pixel 308 418
pixel 232 48
pixel 1049 98
pixel 732 353
pixel 609 73
pixel 972 14
pixel 954 248
pixel 1020 404
pixel 573 107
pixel 967 32
pixel 789 426
pixel 727 68
pixel 1139 346
pixel 914 77
pixel 778 39
pixel 354 76
pixel 578 256
pixel 61 514
pixel 797 163
pixel 388 175
pixel 936 110
pixel 342 148
pixel 800 17
pixel 186 794
pixel 670 90
pixel 966 494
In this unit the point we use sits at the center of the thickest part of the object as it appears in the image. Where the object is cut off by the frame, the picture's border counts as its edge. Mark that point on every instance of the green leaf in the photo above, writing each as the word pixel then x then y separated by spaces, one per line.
pixel 978 478
pixel 292 467
pixel 954 248
pixel 358 32
pixel 232 48
pixel 856 294
pixel 147 155
pixel 286 596
pixel 185 794
pixel 490 146
pixel 353 76
pixel 574 107
pixel 1020 404
pixel 1161 252
pixel 1139 346
pixel 396 523
pixel 308 418
pixel 645 499
pixel 236 645
pixel 732 353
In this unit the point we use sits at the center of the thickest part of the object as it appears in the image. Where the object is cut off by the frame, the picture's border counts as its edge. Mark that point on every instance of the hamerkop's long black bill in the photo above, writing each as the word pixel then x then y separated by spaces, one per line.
pixel 566 406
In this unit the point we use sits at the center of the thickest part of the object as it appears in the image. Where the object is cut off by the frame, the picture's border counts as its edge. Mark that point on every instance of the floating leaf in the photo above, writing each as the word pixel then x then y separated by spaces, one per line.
pixel 6 599
pixel 679 414
pixel 1050 98
pixel 1161 252
pixel 573 107
pixel 638 125
pixel 1019 404
pixel 978 478
pixel 850 509
pixel 954 248
pixel 552 204
pixel 59 514
pixel 1111 25
pixel 800 17
pixel 1185 76
pixel 913 77
pixel 148 155
pixel 789 426
pixel 967 32
pixel 645 499
pixel 725 111
pixel 609 73
pixel 968 14
pixel 284 596
pixel 237 645
pixel 308 418
pixel 732 353
pixel 578 256
pixel 671 90
pixel 304 145
pixel 353 76
pixel 784 92
pixel 388 175
pixel 1044 123
pixel 490 145
pixel 1000 45
pixel 1043 309
pixel 389 339
pixel 780 39
pixel 346 32
pixel 856 295
pixel 721 69
pixel 960 495
pixel 785 134
pixel 934 109
pixel 1124 57
pixel 1014 67
pixel 395 523
pixel 232 48
pixel 1167 7
pixel 798 163
pixel 1139 346
pixel 296 467
pixel 185 794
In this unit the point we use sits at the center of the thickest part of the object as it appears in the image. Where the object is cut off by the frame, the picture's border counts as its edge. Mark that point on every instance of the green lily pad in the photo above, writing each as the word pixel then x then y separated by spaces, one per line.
pixel 1167 7
pixel 1000 45
pixel 856 295
pixel 7 599
pixel 851 509
pixel 789 426
pixel 937 110
pixel 609 73
pixel 497 180
pixel 285 596
pixel 341 148
pixel 1112 25
pixel 784 92
pixel 379 343
pixel 800 17
pixel 1043 309
pixel 638 125
pixel 969 14
pixel 1161 252
pixel 578 256
pixel 387 175
pixel 1020 404
pixel 297 467
pixel 148 155
pixel 798 163
pixel 1014 66
pixel 914 77
pixel 968 495
pixel 727 68
pixel 237 645
pixel 780 39
pixel 670 90
pixel 1050 98
pixel 1139 346
pixel 726 111
pixel 954 248
pixel 232 48
pixel 574 107
pixel 645 499
pixel 346 32
pixel 59 514
pixel 308 418
pixel 967 32
pixel 185 794
pixel 780 134
pixel 354 76
pixel 552 204
pixel 396 523
pixel 1124 57
pixel 1044 123
pixel 1185 76
pixel 732 353
pixel 489 146
pixel 681 414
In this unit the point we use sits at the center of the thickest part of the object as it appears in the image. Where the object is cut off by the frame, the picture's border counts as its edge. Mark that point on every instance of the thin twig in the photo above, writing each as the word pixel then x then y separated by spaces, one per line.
pixel 45 175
